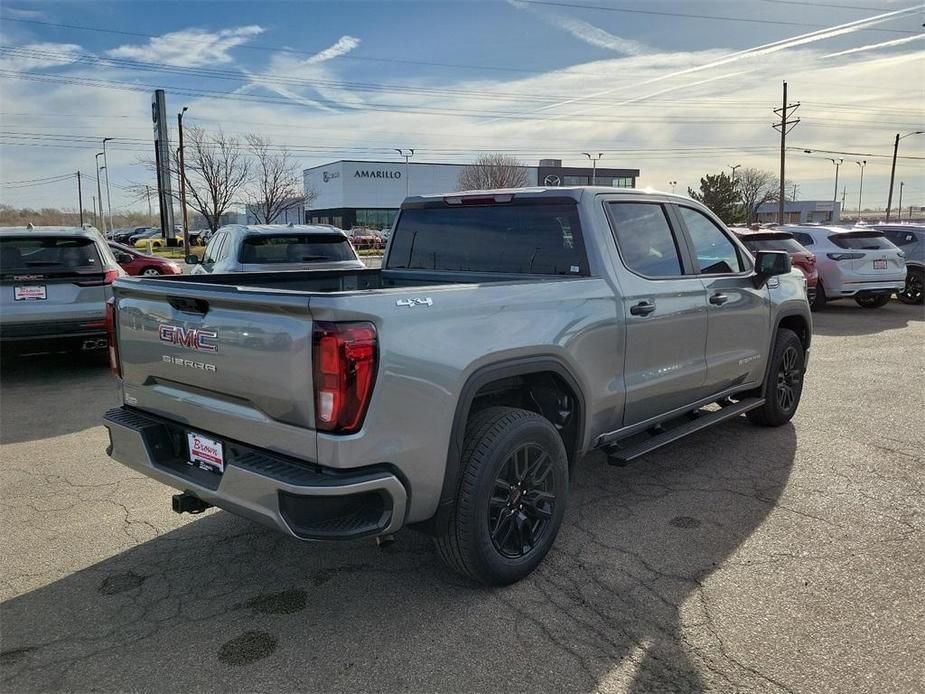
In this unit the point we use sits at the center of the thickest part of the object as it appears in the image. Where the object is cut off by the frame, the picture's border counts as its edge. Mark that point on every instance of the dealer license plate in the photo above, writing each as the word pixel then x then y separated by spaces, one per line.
pixel 205 453
pixel 29 292
pixel 879 265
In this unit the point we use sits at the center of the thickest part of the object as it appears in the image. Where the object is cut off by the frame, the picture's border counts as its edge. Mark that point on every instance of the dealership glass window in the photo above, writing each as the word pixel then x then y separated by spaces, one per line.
pixel 518 239
pixel 621 182
pixel 575 180
pixel 379 219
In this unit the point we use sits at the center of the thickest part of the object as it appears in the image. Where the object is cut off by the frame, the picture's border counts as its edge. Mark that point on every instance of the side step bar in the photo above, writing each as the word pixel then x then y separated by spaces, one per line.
pixel 622 456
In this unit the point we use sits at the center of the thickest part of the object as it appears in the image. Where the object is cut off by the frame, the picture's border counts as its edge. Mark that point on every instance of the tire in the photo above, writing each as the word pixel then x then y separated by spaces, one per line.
pixel 500 530
pixel 914 291
pixel 820 299
pixel 783 384
pixel 872 300
pixel 149 271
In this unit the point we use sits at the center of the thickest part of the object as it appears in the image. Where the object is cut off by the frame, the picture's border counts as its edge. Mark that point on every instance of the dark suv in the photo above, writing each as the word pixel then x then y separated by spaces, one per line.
pixel 909 238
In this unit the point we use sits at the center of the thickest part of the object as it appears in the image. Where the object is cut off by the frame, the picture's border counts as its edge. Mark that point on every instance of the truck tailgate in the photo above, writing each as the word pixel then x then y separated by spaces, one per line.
pixel 224 360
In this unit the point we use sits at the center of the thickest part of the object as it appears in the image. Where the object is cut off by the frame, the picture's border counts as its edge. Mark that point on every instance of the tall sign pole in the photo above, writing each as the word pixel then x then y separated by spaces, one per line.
pixel 80 200
pixel 785 125
pixel 162 155
pixel 183 184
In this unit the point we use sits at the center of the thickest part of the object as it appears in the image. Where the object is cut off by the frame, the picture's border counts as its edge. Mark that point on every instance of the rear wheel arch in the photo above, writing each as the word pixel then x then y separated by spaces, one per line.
pixel 499 384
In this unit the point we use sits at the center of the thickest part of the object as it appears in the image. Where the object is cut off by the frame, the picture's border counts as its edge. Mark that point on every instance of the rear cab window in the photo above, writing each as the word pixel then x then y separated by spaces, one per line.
pixel 49 256
pixel 296 248
pixel 521 238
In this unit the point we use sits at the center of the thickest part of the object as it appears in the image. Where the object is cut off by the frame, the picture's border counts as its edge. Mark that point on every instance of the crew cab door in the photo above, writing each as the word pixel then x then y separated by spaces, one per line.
pixel 665 309
pixel 739 315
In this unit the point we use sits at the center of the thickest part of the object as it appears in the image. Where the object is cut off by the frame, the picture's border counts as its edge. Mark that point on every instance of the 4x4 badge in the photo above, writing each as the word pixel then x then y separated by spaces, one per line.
pixel 416 301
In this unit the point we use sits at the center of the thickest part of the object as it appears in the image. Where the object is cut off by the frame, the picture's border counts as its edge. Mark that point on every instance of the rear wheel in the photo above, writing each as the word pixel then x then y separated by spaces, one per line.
pixel 820 300
pixel 914 291
pixel 784 382
pixel 872 300
pixel 511 497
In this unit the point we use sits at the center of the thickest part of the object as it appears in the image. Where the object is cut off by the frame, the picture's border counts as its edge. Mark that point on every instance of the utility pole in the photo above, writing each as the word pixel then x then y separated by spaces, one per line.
pixel 899 207
pixel 95 220
pixel 793 197
pixel 402 153
pixel 183 184
pixel 99 192
pixel 594 161
pixel 106 165
pixel 80 200
pixel 844 190
pixel 862 164
pixel 889 200
pixel 785 126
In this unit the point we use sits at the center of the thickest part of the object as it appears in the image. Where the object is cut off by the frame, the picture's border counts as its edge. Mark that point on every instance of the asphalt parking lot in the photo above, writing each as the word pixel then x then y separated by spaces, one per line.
pixel 743 558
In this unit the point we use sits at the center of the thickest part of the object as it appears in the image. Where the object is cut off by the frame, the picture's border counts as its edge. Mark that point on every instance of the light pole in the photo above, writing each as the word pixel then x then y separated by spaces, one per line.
pixel 99 190
pixel 734 167
pixel 402 153
pixel 837 162
pixel 899 210
pixel 594 161
pixel 672 184
pixel 183 183
pixel 862 164
pixel 889 200
pixel 106 165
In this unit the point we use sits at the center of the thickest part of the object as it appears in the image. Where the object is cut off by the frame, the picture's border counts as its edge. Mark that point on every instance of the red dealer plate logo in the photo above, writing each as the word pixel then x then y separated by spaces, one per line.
pixel 205 453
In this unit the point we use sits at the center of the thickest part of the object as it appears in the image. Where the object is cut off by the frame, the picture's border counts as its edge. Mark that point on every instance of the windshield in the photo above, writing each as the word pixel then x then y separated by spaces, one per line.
pixel 868 241
pixel 296 248
pixel 539 239
pixel 22 255
pixel 782 244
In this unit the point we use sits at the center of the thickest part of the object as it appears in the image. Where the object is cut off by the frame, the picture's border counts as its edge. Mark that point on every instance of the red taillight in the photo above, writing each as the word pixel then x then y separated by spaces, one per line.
pixel 111 338
pixel 109 277
pixel 345 356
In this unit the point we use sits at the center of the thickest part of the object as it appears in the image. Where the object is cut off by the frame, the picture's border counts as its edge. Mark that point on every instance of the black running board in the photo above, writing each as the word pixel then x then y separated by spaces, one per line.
pixel 622 456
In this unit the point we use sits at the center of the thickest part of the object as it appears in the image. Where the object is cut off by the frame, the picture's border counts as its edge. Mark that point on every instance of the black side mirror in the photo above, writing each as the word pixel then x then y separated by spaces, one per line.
pixel 123 258
pixel 192 259
pixel 769 264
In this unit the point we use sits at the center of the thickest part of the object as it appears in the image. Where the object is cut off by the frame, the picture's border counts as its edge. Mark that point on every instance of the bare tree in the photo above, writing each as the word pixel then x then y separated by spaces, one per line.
pixel 756 187
pixel 493 171
pixel 216 171
pixel 276 184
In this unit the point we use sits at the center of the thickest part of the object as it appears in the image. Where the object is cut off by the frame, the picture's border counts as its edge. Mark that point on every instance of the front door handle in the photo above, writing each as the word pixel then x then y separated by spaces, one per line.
pixel 643 308
pixel 719 299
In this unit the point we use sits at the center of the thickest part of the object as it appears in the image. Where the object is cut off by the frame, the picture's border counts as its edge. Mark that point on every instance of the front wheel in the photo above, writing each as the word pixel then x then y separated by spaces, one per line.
pixel 784 382
pixel 511 496
pixel 914 291
pixel 872 300
pixel 820 299
pixel 150 272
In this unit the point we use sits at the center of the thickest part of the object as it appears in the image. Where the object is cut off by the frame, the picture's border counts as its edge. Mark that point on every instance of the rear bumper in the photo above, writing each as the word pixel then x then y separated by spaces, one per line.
pixel 297 497
pixel 46 331
pixel 840 282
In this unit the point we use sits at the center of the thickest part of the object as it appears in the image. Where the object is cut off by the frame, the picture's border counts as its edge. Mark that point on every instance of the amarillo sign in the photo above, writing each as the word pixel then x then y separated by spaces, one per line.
pixel 376 174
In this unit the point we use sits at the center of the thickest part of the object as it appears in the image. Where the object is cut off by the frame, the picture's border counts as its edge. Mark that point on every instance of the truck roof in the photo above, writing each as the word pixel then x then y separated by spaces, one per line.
pixel 574 192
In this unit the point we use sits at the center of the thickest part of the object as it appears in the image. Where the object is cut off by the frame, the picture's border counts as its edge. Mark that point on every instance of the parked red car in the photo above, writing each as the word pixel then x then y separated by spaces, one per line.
pixel 775 240
pixel 135 263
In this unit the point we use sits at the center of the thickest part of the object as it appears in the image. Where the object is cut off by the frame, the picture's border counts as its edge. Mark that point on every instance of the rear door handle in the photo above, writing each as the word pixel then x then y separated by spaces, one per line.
pixel 643 308
pixel 719 299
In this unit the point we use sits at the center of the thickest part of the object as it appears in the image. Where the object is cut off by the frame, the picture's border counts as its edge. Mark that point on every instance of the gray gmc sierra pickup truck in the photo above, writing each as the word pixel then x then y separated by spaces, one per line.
pixel 507 334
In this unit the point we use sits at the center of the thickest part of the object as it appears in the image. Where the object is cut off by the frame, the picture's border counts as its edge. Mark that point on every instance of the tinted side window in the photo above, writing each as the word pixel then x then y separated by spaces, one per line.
pixel 900 238
pixel 804 239
pixel 225 250
pixel 716 254
pixel 644 239
pixel 539 239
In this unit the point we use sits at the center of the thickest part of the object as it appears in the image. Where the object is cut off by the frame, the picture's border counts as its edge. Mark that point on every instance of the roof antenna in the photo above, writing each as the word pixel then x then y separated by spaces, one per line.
pixel 30 226
pixel 291 225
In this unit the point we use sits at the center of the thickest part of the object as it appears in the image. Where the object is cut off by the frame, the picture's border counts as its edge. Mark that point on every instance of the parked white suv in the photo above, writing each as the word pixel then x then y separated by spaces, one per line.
pixel 857 263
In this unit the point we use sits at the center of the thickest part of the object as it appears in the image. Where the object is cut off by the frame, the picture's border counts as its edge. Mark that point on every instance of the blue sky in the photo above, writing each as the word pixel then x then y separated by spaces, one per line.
pixel 675 96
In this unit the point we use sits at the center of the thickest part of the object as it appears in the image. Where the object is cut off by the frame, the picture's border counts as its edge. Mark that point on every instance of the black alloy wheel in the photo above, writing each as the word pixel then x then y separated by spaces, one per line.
pixel 522 502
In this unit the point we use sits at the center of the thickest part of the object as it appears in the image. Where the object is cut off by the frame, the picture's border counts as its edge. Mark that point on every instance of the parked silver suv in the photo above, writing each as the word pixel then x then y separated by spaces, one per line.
pixel 274 247
pixel 54 283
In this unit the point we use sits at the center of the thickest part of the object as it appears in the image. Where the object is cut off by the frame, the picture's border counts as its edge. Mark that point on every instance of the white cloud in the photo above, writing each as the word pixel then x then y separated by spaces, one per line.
pixel 584 31
pixel 33 56
pixel 23 14
pixel 189 47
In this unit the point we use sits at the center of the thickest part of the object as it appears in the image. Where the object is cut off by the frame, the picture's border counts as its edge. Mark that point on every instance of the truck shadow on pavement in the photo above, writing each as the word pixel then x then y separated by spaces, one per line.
pixel 221 604
pixel 79 385
pixel 846 318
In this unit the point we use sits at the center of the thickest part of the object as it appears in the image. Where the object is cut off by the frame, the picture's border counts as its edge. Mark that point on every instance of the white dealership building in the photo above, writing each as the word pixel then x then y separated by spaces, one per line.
pixel 351 194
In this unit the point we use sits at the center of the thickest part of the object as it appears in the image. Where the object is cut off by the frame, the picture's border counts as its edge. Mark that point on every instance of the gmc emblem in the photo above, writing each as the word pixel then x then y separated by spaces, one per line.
pixel 194 338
